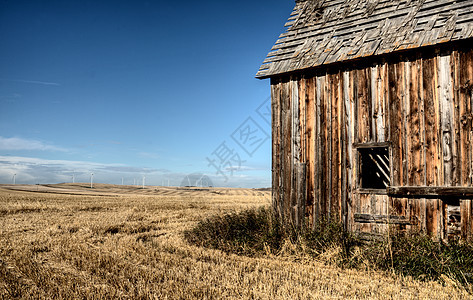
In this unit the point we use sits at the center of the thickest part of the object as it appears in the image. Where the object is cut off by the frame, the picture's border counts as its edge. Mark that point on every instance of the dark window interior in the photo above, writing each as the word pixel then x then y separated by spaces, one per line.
pixel 374 167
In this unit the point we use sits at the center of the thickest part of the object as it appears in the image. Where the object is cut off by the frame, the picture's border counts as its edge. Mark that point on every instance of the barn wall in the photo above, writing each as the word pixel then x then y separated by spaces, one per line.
pixel 419 104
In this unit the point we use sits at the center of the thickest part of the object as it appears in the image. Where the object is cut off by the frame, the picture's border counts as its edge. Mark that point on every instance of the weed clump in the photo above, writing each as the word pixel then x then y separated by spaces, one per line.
pixel 418 255
pixel 249 232
pixel 257 232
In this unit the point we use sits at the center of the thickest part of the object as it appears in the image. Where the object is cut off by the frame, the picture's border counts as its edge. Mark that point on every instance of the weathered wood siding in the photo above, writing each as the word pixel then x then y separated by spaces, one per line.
pixel 421 105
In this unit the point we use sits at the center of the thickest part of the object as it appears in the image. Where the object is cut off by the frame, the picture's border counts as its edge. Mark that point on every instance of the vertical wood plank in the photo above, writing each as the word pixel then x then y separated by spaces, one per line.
pixel 373 210
pixel 406 126
pixel 464 218
pixel 466 116
pixel 341 146
pixel 415 207
pixel 381 100
pixel 282 149
pixel 365 208
pixel 353 91
pixel 348 159
pixel 364 107
pixel 382 205
pixel 430 121
pixel 329 150
pixel 439 160
pixel 321 144
pixel 469 88
pixel 387 103
pixel 420 68
pixel 287 151
pixel 422 214
pixel 470 220
pixel 430 214
pixel 395 124
pixel 296 205
pixel 445 100
pixel 415 144
pixel 421 203
pixel 456 140
pixel 374 103
pixel 276 127
pixel 467 91
pixel 318 153
pixel 335 146
pixel 354 95
pixel 301 193
pixel 302 183
pixel 442 220
pixel 310 148
pixel 292 170
pixel 302 132
pixel 433 165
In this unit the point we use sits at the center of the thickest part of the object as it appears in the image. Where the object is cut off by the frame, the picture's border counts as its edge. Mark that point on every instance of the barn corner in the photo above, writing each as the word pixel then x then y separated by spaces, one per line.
pixel 372 116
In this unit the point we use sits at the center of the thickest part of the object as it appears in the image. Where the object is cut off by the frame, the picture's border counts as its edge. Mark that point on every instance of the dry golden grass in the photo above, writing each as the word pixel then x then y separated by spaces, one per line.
pixel 69 241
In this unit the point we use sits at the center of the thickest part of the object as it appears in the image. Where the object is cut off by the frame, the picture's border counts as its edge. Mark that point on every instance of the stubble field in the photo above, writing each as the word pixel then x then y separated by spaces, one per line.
pixel 124 242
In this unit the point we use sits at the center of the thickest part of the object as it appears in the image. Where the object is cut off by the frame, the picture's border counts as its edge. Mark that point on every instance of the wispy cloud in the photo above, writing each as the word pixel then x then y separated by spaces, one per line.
pixel 15 143
pixel 245 169
pixel 10 98
pixel 31 81
pixel 148 155
pixel 34 170
pixel 127 169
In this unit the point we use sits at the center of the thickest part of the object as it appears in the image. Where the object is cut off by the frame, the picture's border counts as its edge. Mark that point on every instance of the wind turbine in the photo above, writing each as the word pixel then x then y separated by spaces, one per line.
pixel 200 179
pixel 91 180
pixel 14 178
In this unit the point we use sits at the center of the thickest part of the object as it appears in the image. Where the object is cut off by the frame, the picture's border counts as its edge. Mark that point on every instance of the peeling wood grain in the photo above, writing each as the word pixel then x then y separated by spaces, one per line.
pixel 383 219
pixel 445 88
pixel 430 122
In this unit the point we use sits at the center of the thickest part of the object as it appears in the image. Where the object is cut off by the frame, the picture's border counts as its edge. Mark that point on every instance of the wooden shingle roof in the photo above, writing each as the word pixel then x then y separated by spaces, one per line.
pixel 322 32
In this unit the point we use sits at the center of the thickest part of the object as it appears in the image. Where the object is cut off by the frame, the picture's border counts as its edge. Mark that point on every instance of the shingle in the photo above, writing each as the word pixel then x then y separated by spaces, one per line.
pixel 322 32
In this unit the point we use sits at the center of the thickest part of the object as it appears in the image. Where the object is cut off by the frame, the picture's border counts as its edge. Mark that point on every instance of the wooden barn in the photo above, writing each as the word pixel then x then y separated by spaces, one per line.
pixel 372 115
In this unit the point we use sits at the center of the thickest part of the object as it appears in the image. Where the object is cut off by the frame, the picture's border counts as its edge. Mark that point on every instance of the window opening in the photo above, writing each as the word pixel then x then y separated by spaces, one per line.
pixel 374 167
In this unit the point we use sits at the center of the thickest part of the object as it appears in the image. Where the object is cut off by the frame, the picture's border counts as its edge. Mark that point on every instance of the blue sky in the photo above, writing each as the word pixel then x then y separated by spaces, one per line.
pixel 133 89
